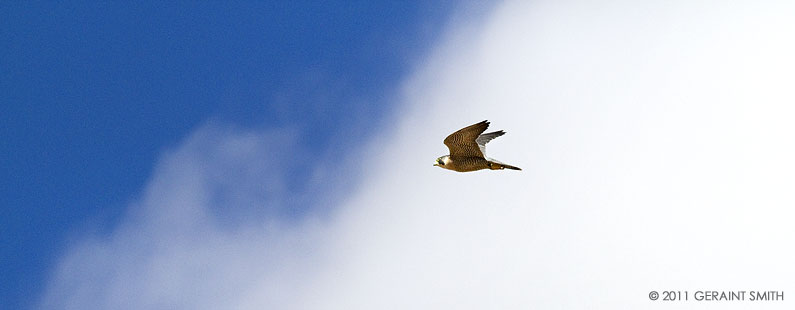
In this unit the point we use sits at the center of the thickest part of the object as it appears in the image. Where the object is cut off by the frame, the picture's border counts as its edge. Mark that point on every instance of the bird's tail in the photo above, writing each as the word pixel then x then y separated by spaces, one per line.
pixel 499 166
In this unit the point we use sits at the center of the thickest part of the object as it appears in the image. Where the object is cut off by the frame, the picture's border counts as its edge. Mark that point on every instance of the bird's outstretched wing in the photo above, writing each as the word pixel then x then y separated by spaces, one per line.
pixel 485 138
pixel 463 142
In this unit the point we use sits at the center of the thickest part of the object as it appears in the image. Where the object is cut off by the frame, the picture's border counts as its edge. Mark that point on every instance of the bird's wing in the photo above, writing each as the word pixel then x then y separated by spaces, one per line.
pixel 485 138
pixel 462 142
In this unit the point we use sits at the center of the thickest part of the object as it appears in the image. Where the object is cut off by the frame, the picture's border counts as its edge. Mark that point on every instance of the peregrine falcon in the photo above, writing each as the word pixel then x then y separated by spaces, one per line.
pixel 468 150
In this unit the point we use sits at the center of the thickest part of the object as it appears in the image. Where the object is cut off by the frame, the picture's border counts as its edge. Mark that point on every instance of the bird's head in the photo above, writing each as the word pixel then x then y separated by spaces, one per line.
pixel 442 161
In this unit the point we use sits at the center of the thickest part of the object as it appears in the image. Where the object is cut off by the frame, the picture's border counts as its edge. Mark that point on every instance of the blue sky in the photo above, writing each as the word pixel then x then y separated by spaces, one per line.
pixel 235 157
pixel 92 94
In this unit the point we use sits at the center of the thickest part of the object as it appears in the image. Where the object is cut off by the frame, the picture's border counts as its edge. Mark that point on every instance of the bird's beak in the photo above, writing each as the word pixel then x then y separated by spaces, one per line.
pixel 435 164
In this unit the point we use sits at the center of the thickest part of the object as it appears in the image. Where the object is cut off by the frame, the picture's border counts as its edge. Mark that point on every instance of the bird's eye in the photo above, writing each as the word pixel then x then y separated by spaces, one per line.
pixel 440 162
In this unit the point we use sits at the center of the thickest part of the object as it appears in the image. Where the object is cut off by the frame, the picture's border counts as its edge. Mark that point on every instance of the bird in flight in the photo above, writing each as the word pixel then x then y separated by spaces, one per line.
pixel 468 150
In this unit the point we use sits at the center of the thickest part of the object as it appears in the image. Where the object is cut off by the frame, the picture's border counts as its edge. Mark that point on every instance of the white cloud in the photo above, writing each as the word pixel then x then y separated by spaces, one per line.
pixel 187 243
pixel 656 141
